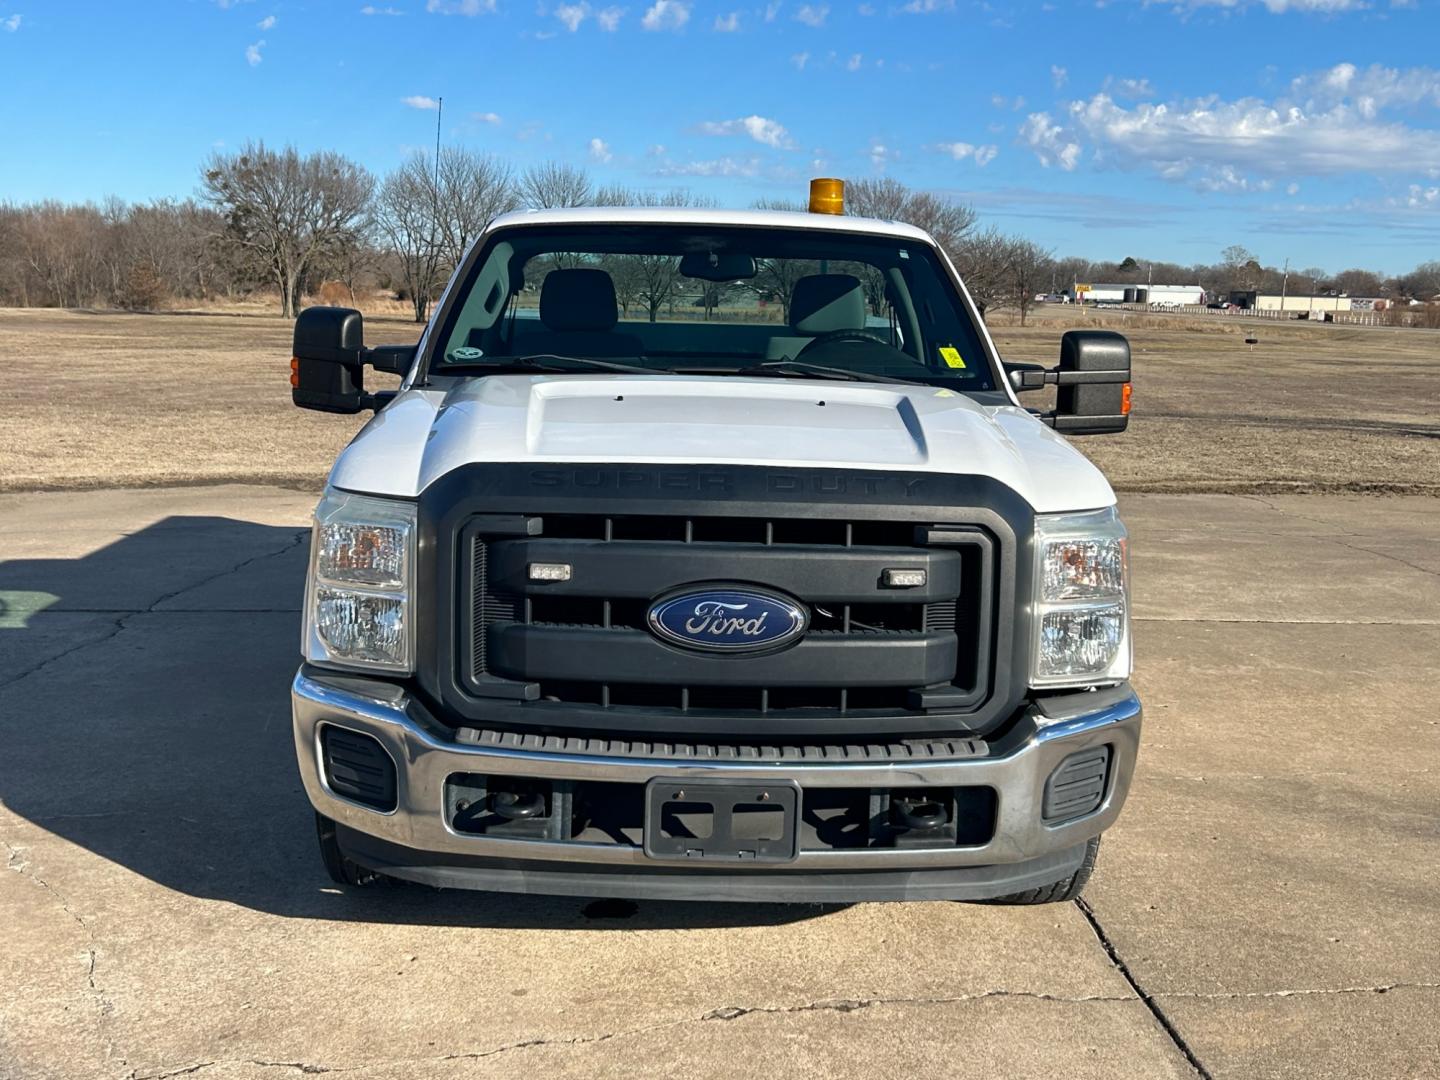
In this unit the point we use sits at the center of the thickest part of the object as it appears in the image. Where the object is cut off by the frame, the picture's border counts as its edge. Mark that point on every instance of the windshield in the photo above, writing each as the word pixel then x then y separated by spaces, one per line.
pixel 718 300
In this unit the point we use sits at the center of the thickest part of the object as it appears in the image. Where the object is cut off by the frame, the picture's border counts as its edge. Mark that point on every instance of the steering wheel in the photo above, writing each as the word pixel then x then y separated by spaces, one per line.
pixel 837 337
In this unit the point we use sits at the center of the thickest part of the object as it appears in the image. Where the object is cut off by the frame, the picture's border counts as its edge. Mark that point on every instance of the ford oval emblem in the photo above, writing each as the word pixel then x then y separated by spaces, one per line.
pixel 729 620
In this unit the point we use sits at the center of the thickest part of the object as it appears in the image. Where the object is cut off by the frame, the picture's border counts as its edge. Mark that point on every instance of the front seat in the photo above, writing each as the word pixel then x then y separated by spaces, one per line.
pixel 578 313
pixel 819 304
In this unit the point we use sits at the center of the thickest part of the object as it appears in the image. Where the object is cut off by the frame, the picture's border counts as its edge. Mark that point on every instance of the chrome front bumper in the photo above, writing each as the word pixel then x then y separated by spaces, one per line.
pixel 425 754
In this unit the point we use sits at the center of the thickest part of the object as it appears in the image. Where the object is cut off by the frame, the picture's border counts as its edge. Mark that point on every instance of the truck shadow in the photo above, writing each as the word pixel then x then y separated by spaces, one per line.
pixel 145 717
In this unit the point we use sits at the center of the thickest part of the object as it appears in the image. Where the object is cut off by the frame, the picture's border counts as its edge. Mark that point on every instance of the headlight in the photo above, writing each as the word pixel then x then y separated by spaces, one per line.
pixel 359 602
pixel 1082 609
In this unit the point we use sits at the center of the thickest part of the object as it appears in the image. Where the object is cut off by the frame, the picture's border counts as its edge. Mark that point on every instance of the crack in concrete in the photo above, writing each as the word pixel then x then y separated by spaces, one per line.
pixel 120 624
pixel 846 1005
pixel 1322 991
pixel 1339 532
pixel 92 953
pixel 305 1067
pixel 723 1013
pixel 1166 1024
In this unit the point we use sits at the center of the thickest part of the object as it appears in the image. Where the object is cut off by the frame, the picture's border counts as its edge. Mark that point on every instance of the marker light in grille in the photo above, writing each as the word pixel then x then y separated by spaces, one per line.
pixel 549 571
pixel 903 579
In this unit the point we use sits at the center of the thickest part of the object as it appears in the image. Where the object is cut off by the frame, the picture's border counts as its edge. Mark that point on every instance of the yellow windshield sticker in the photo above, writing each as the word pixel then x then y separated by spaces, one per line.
pixel 951 356
pixel 946 393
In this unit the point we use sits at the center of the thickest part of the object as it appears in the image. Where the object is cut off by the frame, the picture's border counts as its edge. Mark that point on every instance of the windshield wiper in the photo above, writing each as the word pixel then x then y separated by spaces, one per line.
pixel 796 369
pixel 556 363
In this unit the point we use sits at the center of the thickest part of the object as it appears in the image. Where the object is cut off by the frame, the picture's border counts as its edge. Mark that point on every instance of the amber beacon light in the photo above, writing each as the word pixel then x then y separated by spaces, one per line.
pixel 827 196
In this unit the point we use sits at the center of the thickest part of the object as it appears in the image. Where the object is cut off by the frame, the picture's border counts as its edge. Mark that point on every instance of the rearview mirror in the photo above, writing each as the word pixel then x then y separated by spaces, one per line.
pixel 1092 380
pixel 717 265
pixel 329 358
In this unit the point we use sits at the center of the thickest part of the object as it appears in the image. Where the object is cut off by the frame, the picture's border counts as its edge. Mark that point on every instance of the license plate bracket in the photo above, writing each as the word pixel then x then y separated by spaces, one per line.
pixel 729 821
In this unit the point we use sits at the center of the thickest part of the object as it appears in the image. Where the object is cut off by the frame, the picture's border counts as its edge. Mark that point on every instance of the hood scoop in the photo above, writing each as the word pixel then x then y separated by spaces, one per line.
pixel 696 421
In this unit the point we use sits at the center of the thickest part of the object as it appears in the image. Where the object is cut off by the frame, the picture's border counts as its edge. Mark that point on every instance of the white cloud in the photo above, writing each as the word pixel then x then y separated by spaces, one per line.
pixel 371 9
pixel 572 15
pixel 727 24
pixel 252 53
pixel 600 151
pixel 1129 88
pixel 420 101
pixel 725 166
pixel 812 14
pixel 853 64
pixel 1050 142
pixel 1000 101
pixel 1292 189
pixel 486 118
pixel 772 9
pixel 865 9
pixel 881 155
pixel 267 23
pixel 961 151
pixel 666 15
pixel 927 7
pixel 1279 7
pixel 800 59
pixel 460 7
pixel 11 24
pixel 1058 75
pixel 1212 141
pixel 1419 198
pixel 759 128
pixel 608 19
pixel 1371 89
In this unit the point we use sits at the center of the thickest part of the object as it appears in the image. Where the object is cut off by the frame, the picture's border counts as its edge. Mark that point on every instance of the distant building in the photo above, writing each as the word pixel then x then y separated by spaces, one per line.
pixel 1294 303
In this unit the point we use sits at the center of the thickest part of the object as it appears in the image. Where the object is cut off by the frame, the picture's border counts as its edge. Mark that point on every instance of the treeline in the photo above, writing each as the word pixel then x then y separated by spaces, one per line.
pixel 269 221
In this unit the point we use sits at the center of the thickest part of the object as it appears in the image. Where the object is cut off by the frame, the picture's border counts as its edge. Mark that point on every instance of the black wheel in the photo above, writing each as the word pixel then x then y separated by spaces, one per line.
pixel 1067 888
pixel 342 869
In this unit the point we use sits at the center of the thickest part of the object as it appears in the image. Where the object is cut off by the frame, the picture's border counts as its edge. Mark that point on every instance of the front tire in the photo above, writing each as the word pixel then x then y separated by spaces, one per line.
pixel 1067 888
pixel 342 869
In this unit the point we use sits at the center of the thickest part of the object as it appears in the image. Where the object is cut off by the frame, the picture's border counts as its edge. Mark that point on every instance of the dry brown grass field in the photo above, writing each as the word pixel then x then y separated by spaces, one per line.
pixel 116 400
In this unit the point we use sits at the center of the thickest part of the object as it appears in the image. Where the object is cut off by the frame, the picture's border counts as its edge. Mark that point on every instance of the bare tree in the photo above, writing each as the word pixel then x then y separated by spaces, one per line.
pixel 407 217
pixel 554 184
pixel 474 189
pixel 1029 269
pixel 887 198
pixel 984 261
pixel 288 209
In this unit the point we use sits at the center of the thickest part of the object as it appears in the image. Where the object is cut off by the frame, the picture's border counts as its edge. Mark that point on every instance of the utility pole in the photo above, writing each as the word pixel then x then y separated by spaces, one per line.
pixel 1284 284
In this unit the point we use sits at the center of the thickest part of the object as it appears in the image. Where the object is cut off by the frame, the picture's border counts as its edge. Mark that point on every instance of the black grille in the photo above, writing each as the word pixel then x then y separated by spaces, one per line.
pixel 869 649
pixel 1077 786
pixel 357 767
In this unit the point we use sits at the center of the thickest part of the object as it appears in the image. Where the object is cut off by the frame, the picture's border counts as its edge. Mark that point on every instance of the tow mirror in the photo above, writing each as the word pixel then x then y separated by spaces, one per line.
pixel 1092 381
pixel 329 358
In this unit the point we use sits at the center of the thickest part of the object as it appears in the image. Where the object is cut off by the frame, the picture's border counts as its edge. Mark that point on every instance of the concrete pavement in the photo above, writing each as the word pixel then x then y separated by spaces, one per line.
pixel 1265 907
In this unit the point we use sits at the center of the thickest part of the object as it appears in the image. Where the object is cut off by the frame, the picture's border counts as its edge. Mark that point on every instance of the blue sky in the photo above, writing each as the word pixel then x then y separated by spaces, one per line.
pixel 1307 129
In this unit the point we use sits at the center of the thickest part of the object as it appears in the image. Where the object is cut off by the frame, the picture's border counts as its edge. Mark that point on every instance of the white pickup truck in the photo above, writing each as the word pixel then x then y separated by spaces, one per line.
pixel 711 555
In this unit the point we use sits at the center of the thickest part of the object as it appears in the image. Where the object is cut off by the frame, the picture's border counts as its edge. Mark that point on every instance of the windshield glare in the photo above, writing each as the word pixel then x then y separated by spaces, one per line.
pixel 714 300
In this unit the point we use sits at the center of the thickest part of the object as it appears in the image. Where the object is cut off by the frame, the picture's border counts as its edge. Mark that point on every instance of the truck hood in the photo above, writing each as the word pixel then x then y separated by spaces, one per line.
pixel 667 419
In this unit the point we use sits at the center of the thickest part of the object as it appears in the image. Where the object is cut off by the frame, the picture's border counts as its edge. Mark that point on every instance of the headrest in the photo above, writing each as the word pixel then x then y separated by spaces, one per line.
pixel 581 299
pixel 825 302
